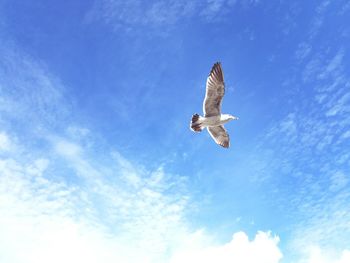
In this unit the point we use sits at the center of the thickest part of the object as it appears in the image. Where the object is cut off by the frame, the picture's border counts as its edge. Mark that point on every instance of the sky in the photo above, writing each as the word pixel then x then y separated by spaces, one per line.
pixel 97 161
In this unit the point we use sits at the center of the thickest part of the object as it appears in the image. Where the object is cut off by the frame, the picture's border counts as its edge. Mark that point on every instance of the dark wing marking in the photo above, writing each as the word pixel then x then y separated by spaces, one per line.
pixel 220 135
pixel 215 90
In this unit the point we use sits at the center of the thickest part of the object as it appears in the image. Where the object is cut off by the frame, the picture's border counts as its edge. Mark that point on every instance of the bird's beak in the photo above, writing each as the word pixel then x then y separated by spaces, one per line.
pixel 235 118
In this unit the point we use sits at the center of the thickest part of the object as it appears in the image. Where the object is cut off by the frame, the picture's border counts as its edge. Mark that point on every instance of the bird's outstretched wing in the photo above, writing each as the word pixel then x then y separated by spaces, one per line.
pixel 220 135
pixel 215 90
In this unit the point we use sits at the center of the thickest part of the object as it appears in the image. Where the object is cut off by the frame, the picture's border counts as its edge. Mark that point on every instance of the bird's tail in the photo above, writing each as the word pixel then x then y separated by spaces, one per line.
pixel 196 124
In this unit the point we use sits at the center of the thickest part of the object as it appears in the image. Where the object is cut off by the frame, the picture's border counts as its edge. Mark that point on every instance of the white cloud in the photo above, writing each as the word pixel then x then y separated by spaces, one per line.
pixel 314 254
pixel 55 239
pixel 345 257
pixel 47 220
pixel 263 249
pixel 119 213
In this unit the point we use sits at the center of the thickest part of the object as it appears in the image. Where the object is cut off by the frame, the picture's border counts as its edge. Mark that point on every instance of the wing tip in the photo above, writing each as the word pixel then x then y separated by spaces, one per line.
pixel 216 64
pixel 225 145
pixel 216 71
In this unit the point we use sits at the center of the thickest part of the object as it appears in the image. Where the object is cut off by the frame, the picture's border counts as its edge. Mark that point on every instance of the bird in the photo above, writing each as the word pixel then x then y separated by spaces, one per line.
pixel 213 119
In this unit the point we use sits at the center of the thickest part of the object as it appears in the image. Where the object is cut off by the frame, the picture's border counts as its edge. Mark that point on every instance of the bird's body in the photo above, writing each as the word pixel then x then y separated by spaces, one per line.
pixel 213 120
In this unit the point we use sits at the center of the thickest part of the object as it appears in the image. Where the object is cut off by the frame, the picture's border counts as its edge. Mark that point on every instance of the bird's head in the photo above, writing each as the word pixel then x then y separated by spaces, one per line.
pixel 231 117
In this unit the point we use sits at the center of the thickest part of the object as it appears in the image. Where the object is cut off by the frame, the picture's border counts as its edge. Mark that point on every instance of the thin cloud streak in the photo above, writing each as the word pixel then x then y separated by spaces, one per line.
pixel 127 16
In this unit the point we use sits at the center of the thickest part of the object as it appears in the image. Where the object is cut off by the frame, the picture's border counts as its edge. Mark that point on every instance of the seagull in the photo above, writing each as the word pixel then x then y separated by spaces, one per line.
pixel 213 120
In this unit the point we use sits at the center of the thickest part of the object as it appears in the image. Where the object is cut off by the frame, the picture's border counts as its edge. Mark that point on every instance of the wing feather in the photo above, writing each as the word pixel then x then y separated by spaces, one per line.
pixel 220 135
pixel 215 90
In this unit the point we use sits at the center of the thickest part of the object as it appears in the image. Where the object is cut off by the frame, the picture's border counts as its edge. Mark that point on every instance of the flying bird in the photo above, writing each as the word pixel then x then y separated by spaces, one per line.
pixel 213 119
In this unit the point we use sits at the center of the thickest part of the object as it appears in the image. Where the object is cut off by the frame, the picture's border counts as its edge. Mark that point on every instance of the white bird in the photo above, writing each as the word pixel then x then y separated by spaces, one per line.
pixel 213 120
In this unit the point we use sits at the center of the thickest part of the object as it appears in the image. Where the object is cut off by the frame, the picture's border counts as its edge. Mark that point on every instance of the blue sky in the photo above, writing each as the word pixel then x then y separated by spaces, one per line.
pixel 97 161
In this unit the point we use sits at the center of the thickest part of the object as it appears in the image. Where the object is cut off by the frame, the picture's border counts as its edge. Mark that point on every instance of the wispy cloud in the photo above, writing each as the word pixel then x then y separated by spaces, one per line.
pixel 217 9
pixel 318 20
pixel 304 155
pixel 129 15
pixel 316 255
pixel 28 90
pixel 303 51
pixel 311 142
pixel 5 144
pixel 125 15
